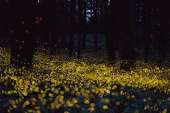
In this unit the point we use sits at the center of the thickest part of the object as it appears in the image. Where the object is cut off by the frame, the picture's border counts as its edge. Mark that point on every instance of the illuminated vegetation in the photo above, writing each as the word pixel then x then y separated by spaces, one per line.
pixel 61 85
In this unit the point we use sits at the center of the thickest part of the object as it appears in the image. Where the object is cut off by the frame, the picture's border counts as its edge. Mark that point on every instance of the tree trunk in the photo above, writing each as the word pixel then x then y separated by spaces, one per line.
pixel 22 40
pixel 164 30
pixel 4 12
pixel 123 14
pixel 108 27
pixel 127 53
pixel 95 23
pixel 72 26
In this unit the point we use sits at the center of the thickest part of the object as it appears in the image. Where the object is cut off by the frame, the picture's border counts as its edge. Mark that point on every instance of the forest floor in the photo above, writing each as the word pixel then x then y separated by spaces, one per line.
pixel 89 85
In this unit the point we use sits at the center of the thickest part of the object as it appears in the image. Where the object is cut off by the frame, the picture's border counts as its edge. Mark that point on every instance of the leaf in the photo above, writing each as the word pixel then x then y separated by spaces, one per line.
pixel 165 110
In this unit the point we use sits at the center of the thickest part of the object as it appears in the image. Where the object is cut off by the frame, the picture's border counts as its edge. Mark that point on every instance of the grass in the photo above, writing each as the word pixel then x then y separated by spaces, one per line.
pixel 61 85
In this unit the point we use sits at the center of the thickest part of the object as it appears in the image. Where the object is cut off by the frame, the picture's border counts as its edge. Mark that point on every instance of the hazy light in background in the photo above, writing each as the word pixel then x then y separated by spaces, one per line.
pixel 88 15
pixel 108 2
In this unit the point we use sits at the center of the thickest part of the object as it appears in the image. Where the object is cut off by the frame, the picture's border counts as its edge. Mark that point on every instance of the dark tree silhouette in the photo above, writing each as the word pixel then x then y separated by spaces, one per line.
pixel 121 20
pixel 4 12
pixel 57 27
pixel 112 27
pixel 156 27
pixel 81 25
pixel 41 23
pixel 128 16
pixel 2 5
pixel 148 6
pixel 72 26
pixel 95 10
pixel 22 40
pixel 46 13
pixel 84 25
pixel 108 27
pixel 164 30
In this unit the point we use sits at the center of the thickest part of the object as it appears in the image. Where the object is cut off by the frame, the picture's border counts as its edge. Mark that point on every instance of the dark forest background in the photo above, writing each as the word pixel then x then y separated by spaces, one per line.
pixel 135 29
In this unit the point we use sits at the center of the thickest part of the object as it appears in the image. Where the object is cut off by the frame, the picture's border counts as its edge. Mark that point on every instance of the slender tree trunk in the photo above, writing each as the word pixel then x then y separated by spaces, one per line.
pixel 124 24
pixel 4 12
pixel 108 27
pixel 50 23
pixel 81 25
pixel 164 30
pixel 95 24
pixel 22 41
pixel 72 26
pixel 148 7
pixel 129 55
pixel 84 26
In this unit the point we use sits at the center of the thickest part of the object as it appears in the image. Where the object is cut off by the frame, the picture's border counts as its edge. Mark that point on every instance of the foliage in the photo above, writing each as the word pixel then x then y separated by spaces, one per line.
pixel 58 84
